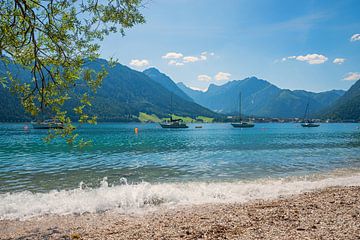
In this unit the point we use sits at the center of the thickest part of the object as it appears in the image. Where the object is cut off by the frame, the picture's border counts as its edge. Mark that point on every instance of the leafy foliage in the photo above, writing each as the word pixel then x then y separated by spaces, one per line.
pixel 51 39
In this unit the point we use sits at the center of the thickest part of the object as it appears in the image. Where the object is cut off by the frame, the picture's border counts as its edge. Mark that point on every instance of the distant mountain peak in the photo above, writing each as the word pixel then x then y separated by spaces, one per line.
pixel 255 79
pixel 213 87
pixel 152 70
pixel 181 84
pixel 155 75
pixel 252 78
pixel 261 98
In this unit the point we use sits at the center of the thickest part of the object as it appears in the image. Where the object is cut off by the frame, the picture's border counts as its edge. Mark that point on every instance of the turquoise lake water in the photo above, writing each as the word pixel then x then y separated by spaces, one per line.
pixel 216 152
pixel 169 159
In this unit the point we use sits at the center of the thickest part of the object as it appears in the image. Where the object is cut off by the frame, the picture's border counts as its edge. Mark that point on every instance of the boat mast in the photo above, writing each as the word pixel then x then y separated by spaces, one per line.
pixel 240 106
pixel 306 110
pixel 171 107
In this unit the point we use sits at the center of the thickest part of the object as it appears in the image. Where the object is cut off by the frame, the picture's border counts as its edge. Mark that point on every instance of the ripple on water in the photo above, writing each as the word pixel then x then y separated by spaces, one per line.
pixel 216 151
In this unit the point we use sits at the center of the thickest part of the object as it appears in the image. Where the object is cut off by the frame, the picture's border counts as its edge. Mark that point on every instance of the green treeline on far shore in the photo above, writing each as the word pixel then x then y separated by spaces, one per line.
pixel 152 118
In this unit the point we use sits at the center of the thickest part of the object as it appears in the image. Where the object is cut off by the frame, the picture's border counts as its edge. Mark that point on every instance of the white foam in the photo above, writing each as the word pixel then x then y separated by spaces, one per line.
pixel 134 197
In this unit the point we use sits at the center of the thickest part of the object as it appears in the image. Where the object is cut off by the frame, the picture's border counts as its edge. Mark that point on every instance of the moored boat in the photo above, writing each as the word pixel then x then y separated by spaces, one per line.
pixel 310 124
pixel 47 124
pixel 241 123
pixel 174 123
pixel 307 122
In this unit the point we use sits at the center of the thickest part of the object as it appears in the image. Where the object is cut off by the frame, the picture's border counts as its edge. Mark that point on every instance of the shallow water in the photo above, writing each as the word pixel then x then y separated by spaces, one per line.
pixel 161 165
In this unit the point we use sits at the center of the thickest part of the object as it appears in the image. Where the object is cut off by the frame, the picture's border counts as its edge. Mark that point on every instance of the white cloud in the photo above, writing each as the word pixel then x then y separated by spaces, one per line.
pixel 204 78
pixel 139 63
pixel 309 58
pixel 222 76
pixel 188 59
pixel 286 58
pixel 339 61
pixel 352 76
pixel 312 58
pixel 172 55
pixel 177 59
pixel 175 63
pixel 355 37
pixel 203 57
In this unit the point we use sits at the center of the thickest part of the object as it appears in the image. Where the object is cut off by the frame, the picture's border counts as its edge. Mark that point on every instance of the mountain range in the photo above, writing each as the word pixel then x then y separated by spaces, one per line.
pixel 261 98
pixel 125 93
pixel 348 106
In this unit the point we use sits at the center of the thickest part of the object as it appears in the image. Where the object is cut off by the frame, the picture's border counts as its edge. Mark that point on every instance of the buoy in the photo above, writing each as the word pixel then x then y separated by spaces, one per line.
pixel 26 128
pixel 136 130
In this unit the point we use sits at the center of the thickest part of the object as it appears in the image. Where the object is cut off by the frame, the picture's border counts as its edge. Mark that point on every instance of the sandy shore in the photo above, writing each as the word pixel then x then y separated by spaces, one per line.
pixel 332 213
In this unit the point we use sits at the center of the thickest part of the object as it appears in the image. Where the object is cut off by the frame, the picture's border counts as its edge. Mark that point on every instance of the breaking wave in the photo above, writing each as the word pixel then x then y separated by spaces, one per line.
pixel 135 197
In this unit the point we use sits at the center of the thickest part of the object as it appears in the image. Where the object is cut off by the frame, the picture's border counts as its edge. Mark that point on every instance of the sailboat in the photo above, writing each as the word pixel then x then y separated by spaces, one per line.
pixel 173 123
pixel 307 122
pixel 241 123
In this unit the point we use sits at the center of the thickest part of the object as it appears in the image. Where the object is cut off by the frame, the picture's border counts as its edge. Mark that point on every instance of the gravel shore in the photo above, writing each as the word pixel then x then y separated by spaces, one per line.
pixel 332 213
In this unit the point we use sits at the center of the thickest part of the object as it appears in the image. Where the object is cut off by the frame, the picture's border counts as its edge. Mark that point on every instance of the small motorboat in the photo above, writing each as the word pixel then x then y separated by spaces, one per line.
pixel 310 124
pixel 47 124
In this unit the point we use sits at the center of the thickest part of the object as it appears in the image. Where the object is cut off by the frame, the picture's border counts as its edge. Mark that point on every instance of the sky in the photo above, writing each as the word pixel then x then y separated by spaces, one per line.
pixel 312 45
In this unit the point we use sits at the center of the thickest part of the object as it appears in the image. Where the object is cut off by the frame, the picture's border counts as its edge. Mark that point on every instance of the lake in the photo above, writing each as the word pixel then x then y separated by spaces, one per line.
pixel 121 169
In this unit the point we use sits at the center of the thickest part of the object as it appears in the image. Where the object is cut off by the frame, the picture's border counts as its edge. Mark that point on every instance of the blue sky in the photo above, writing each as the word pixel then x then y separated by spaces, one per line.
pixel 292 44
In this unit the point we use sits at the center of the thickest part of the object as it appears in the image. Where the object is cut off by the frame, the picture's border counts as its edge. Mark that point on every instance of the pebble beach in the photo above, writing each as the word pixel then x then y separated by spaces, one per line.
pixel 330 213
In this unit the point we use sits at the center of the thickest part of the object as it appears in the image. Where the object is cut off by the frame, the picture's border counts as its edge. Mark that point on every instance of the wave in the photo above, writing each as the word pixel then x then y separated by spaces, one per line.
pixel 144 196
